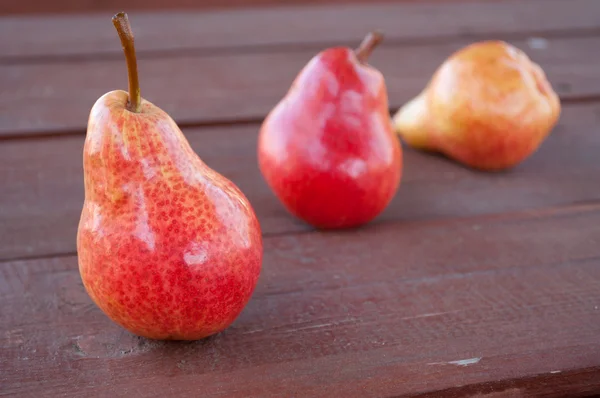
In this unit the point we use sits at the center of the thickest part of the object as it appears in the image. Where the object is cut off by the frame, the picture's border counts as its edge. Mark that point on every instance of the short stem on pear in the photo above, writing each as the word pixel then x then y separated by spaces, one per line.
pixel 123 27
pixel 372 40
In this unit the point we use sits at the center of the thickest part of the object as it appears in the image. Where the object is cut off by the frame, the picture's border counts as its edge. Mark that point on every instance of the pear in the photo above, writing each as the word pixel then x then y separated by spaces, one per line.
pixel 167 247
pixel 327 150
pixel 488 106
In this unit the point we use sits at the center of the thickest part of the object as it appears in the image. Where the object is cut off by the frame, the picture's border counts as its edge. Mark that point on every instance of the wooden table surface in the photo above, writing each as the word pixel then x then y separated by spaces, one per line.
pixel 469 284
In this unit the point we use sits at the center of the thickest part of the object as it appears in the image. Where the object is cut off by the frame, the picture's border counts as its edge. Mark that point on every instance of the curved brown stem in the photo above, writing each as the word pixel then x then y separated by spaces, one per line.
pixel 372 40
pixel 123 27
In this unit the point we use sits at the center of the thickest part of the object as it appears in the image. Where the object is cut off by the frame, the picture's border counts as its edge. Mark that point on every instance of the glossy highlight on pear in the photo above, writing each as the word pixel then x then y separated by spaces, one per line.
pixel 327 150
pixel 488 106
pixel 168 248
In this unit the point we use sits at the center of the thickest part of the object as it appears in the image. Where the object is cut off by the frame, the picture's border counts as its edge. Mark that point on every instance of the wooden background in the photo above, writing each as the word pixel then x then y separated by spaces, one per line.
pixel 469 283
pixel 77 6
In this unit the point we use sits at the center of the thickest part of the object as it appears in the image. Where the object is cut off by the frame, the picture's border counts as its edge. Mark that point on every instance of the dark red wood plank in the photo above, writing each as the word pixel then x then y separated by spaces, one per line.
pixel 42 182
pixel 491 303
pixel 53 35
pixel 226 88
pixel 581 382
pixel 74 6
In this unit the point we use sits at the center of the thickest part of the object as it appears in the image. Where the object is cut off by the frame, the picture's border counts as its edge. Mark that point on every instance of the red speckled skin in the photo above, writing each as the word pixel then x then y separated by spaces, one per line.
pixel 328 150
pixel 168 248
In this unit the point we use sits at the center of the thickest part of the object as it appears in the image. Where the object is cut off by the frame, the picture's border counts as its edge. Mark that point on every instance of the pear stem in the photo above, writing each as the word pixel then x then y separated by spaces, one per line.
pixel 121 22
pixel 372 40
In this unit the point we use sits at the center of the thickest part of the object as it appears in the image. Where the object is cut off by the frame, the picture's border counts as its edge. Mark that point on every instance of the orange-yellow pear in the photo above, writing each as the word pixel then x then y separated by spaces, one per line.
pixel 488 106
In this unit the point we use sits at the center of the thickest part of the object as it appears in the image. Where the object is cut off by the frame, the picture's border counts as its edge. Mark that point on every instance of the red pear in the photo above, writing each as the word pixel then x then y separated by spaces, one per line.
pixel 327 149
pixel 168 248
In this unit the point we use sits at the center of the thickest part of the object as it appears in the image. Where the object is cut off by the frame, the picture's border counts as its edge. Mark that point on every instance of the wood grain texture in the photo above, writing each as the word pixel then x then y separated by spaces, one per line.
pixel 42 182
pixel 53 35
pixel 556 384
pixel 74 6
pixel 470 306
pixel 226 88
